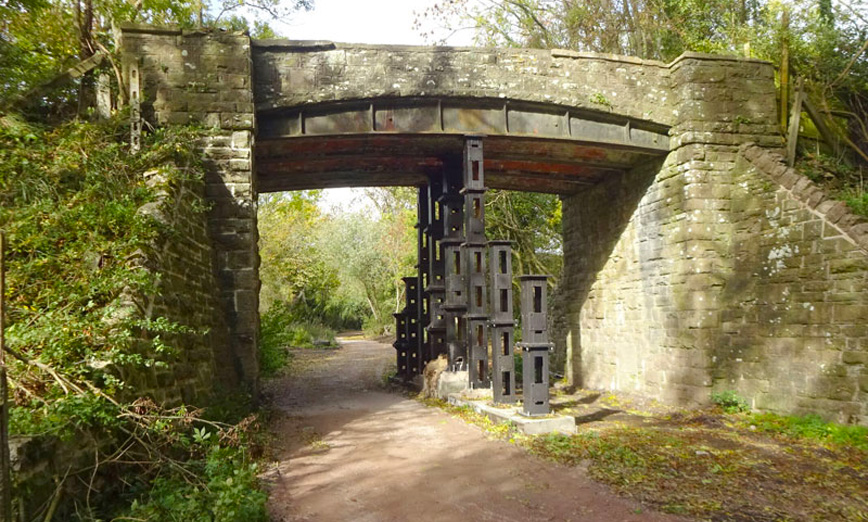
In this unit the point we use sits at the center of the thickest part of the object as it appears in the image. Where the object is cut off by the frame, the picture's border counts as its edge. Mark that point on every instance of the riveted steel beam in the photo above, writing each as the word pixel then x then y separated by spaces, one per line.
pixel 462 116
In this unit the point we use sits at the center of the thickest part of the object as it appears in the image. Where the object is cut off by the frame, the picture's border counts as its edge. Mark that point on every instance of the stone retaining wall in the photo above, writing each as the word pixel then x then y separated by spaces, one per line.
pixel 187 294
pixel 205 78
pixel 759 287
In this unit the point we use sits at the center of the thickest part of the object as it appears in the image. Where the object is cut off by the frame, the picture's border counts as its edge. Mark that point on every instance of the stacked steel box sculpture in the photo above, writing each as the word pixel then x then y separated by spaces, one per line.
pixel 407 330
pixel 535 345
pixel 454 305
pixel 402 347
pixel 423 273
pixel 449 309
pixel 411 313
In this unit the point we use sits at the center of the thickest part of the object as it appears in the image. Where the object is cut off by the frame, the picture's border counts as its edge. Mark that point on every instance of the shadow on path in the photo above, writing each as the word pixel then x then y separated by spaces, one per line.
pixel 347 450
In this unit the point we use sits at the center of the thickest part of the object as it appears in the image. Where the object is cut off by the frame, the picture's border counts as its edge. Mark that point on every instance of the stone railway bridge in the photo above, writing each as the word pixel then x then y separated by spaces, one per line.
pixel 694 261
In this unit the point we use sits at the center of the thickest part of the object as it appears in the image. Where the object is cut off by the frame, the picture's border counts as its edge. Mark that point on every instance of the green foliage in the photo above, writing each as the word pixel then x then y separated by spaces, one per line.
pixel 342 270
pixel 279 330
pixel 730 401
pixel 838 179
pixel 70 206
pixel 70 199
pixel 227 489
pixel 811 427
pixel 64 417
pixel 372 251
pixel 600 99
pixel 532 221
pixel 858 202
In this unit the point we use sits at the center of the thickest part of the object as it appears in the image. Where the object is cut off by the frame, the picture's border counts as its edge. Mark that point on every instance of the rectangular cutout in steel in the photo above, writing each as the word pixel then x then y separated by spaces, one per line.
pixel 538 371
pixel 537 299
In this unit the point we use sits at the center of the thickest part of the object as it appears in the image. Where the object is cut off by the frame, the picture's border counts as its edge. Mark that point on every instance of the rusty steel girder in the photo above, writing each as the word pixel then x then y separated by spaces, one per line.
pixel 540 148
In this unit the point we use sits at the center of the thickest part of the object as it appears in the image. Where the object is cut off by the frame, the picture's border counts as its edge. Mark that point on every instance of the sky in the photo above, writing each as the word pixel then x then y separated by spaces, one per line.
pixel 361 21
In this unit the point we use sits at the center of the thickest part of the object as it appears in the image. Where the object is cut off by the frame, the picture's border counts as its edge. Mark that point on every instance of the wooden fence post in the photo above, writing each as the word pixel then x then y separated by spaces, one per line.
pixel 785 67
pixel 795 121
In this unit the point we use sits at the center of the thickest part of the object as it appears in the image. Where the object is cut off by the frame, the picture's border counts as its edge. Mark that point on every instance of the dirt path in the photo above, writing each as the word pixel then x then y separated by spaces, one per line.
pixel 349 451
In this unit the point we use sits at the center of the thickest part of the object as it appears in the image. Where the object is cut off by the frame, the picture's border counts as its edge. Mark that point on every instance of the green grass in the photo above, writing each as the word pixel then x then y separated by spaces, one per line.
pixel 812 428
pixel 857 201
pixel 838 179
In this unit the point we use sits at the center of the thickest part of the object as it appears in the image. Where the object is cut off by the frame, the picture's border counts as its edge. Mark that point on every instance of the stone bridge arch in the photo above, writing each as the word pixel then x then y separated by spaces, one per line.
pixel 647 299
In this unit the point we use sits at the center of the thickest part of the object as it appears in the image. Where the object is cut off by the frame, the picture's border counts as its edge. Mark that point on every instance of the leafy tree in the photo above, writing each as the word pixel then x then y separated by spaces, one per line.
pixel 292 270
pixel 41 38
pixel 371 256
pixel 533 222
pixel 341 269
pixel 828 40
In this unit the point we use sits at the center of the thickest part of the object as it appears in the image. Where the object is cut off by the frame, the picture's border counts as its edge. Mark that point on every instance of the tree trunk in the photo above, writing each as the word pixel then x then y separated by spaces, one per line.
pixel 84 18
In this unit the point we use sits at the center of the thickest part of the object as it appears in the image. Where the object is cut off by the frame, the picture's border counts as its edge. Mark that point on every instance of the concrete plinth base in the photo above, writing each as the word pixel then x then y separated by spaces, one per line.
pixel 511 415
pixel 451 382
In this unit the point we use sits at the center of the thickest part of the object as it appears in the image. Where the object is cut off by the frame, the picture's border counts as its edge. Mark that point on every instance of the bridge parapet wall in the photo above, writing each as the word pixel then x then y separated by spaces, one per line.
pixel 295 74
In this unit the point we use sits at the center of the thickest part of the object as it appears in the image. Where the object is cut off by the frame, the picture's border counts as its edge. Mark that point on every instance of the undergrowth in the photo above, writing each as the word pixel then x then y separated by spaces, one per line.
pixel 280 330
pixel 810 427
pixel 730 402
pixel 69 203
pixel 839 179
pixel 713 466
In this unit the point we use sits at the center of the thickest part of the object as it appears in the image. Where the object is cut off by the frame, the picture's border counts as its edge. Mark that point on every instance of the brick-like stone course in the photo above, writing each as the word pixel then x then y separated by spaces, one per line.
pixel 186 294
pixel 796 332
pixel 642 250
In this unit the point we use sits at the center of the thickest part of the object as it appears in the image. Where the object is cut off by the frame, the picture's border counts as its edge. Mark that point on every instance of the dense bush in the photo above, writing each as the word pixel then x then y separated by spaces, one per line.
pixel 281 329
pixel 70 198
pixel 69 202
pixel 730 401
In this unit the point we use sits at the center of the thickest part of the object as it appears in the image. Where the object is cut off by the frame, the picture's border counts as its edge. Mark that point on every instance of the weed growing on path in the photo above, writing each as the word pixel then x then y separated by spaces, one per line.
pixel 730 402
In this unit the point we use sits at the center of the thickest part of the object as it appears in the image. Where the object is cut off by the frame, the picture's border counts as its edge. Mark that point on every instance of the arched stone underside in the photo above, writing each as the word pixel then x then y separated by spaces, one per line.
pixel 644 155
